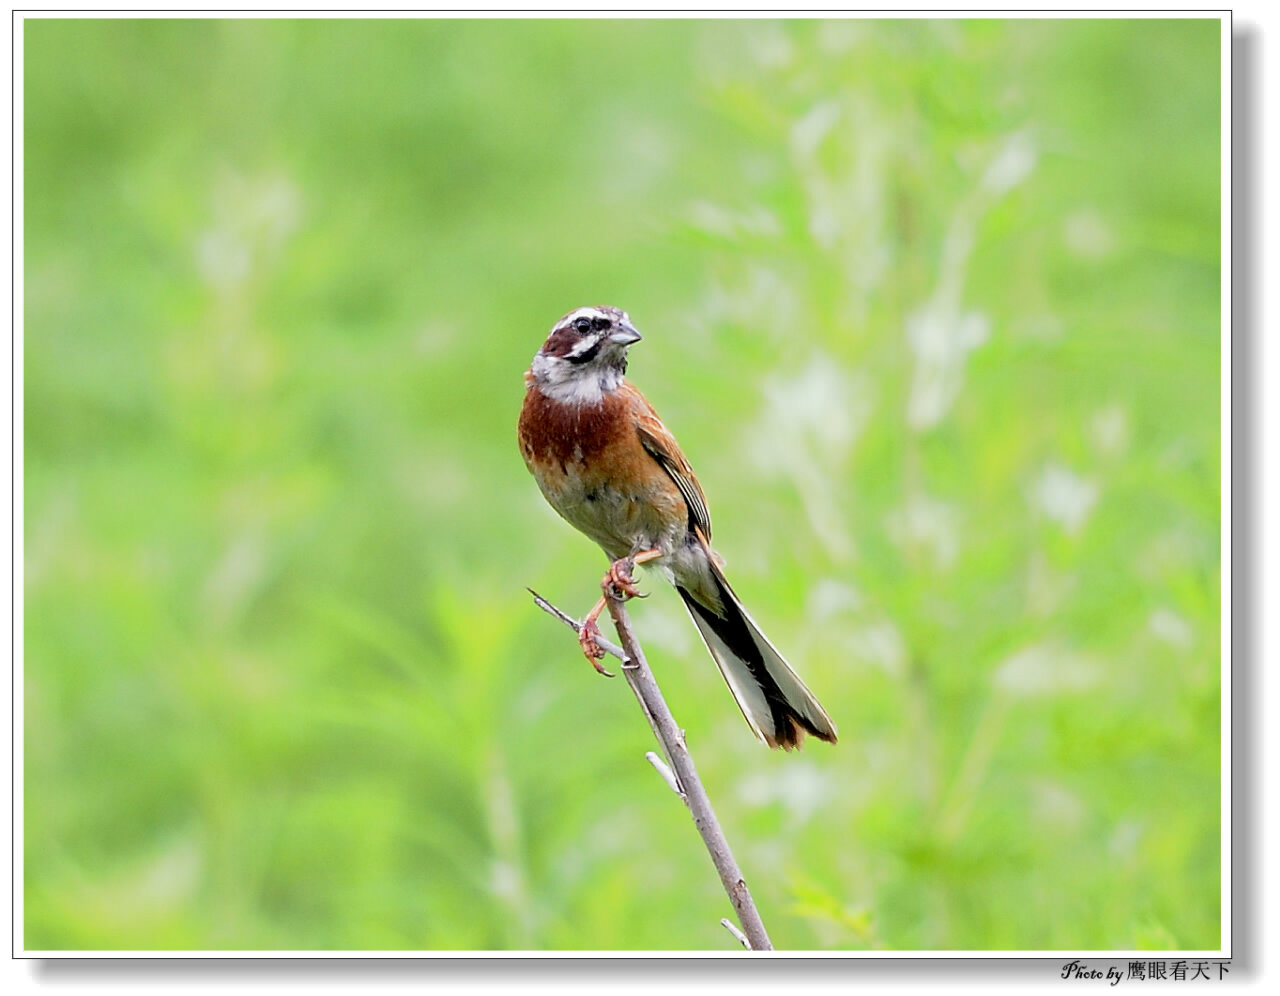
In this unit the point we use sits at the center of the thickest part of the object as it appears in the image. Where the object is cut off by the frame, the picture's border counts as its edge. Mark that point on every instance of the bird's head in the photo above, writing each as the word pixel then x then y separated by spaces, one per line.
pixel 585 356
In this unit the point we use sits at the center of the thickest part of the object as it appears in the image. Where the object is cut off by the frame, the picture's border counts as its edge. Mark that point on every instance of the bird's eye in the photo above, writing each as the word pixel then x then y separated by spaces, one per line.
pixel 600 324
pixel 582 324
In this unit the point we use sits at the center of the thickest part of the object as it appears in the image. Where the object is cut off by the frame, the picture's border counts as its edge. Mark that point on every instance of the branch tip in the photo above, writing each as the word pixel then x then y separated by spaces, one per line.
pixel 668 776
pixel 742 938
pixel 609 648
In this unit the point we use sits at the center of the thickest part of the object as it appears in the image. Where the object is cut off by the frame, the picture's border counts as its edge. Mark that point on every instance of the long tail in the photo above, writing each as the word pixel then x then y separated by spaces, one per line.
pixel 776 703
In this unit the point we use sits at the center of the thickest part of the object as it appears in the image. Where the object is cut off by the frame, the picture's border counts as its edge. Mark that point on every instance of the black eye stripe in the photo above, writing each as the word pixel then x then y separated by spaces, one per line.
pixel 587 354
pixel 600 324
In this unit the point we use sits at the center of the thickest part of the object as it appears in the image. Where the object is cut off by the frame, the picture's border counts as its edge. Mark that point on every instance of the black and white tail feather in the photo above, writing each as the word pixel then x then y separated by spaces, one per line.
pixel 777 705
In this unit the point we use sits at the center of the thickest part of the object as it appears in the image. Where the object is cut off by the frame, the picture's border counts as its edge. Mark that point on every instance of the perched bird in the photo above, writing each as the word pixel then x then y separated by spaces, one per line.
pixel 605 462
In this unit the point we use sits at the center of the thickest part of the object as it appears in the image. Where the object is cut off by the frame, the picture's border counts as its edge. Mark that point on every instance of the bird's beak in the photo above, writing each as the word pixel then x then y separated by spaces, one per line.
pixel 625 335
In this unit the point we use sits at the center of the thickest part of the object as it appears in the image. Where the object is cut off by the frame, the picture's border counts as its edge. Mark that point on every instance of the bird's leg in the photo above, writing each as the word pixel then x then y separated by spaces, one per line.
pixel 617 583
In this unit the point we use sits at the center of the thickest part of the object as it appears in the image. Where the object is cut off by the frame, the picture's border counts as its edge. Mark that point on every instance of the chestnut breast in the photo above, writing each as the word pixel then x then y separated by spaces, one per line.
pixel 592 468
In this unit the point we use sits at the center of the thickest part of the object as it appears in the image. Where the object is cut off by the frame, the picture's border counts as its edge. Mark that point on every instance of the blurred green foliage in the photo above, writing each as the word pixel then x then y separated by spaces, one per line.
pixel 933 307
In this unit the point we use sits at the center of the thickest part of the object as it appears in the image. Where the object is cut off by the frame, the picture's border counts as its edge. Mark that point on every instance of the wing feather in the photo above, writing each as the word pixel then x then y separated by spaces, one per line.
pixel 662 446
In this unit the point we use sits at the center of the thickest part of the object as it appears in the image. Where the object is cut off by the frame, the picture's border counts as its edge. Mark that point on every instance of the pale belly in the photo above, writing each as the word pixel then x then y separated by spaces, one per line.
pixel 625 524
pixel 622 523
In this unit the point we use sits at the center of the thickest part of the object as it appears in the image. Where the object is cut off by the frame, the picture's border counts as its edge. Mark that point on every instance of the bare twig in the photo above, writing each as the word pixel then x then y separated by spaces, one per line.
pixel 686 781
pixel 576 626
pixel 727 924
pixel 668 776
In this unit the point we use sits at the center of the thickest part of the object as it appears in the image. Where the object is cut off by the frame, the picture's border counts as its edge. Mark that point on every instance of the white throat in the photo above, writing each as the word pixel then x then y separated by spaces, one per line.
pixel 573 384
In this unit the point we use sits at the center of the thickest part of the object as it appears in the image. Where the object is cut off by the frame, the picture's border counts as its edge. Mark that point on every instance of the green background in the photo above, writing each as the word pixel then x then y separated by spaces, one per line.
pixel 934 309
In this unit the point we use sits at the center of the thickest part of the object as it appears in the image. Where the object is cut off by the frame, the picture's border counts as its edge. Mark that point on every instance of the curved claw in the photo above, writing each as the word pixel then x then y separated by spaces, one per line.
pixel 618 581
pixel 590 649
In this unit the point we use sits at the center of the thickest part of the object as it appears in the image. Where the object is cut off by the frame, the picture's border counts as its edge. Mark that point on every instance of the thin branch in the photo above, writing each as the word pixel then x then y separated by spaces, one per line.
pixel 668 776
pixel 671 736
pixel 576 626
pixel 727 924
pixel 689 786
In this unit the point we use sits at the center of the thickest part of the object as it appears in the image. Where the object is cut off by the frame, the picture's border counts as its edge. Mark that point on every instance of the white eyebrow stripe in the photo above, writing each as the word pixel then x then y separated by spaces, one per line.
pixel 589 312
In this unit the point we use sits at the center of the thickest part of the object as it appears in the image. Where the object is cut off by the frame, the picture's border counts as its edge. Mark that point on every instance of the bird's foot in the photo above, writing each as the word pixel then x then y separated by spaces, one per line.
pixel 618 581
pixel 590 649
